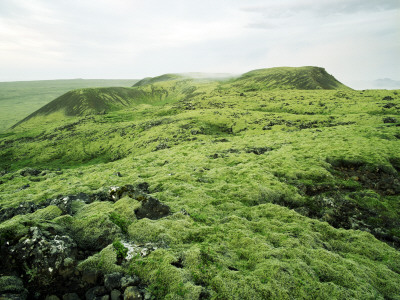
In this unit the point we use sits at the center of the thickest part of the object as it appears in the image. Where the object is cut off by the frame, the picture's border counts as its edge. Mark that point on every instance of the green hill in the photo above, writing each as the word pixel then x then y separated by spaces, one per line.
pixel 151 80
pixel 21 98
pixel 302 78
pixel 201 189
pixel 173 87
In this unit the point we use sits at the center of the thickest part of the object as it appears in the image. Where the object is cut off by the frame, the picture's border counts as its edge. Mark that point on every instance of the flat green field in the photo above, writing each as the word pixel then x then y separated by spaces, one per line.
pixel 21 98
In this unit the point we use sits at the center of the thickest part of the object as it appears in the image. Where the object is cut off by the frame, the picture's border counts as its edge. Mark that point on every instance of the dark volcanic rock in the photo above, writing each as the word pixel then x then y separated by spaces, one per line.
pixel 25 186
pixel 387 98
pixel 139 190
pixel 90 276
pixel 22 209
pixel 129 281
pixel 63 203
pixel 389 105
pixel 258 150
pixel 132 293
pixel 71 296
pixel 45 256
pixel 112 281
pixel 30 172
pixel 116 295
pixel 151 208
pixel 389 120
pixel 94 292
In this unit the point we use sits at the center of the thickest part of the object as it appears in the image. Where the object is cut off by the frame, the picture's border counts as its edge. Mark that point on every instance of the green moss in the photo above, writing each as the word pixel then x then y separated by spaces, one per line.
pixel 92 228
pixel 164 280
pixel 48 213
pixel 15 228
pixel 121 250
pixel 119 221
pixel 231 168
pixel 105 261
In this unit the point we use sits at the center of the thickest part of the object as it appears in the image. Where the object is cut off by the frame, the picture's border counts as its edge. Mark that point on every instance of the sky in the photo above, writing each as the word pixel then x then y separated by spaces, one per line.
pixel 354 40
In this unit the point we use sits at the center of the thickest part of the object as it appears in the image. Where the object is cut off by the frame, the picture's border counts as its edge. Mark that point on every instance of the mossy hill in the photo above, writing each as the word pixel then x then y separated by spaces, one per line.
pixel 151 80
pixel 175 87
pixel 20 98
pixel 302 78
pixel 204 189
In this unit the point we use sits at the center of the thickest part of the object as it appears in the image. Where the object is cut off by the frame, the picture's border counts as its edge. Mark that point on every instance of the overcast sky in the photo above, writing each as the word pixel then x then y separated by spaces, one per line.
pixel 54 39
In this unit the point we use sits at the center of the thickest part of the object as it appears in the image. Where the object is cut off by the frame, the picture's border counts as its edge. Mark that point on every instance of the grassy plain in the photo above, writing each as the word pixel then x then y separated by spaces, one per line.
pixel 275 193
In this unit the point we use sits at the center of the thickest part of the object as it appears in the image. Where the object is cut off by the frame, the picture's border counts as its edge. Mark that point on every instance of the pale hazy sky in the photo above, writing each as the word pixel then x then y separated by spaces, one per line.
pixel 49 39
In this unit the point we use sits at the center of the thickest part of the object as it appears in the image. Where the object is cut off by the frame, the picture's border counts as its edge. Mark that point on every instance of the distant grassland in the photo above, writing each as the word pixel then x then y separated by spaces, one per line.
pixel 19 99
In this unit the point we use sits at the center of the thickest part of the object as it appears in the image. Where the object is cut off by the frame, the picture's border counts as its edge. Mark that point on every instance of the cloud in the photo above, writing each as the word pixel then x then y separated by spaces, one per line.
pixel 321 8
pixel 130 38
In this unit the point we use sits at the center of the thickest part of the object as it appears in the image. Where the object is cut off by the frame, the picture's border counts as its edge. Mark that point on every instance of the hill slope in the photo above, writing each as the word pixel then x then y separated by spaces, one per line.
pixel 301 78
pixel 210 193
pixel 175 87
pixel 21 98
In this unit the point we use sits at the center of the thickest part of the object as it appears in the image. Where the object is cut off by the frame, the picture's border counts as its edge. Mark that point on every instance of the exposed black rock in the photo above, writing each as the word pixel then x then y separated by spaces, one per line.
pixel 95 292
pixel 389 105
pixel 389 120
pixel 25 186
pixel 336 203
pixel 116 295
pixel 387 98
pixel 30 172
pixel 90 276
pixel 71 296
pixel 64 202
pixel 258 150
pixel 132 293
pixel 151 208
pixel 129 281
pixel 112 281
pixel 45 256
pixel 22 209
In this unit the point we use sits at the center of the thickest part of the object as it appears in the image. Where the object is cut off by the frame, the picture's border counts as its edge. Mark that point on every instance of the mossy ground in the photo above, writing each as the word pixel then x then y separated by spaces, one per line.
pixel 232 166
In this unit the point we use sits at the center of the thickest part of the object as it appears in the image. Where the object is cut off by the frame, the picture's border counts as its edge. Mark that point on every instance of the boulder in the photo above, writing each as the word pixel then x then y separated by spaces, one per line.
pixel 47 254
pixel 71 296
pixel 116 295
pixel 90 276
pixel 52 297
pixel 151 208
pixel 112 281
pixel 129 281
pixel 95 292
pixel 132 293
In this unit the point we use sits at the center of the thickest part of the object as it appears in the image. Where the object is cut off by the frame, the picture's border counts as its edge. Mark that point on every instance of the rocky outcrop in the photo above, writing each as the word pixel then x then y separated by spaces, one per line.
pixel 45 253
pixel 45 256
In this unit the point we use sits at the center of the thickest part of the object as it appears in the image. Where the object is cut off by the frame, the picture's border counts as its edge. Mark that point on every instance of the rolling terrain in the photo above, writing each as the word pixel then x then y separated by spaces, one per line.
pixel 280 183
pixel 21 98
